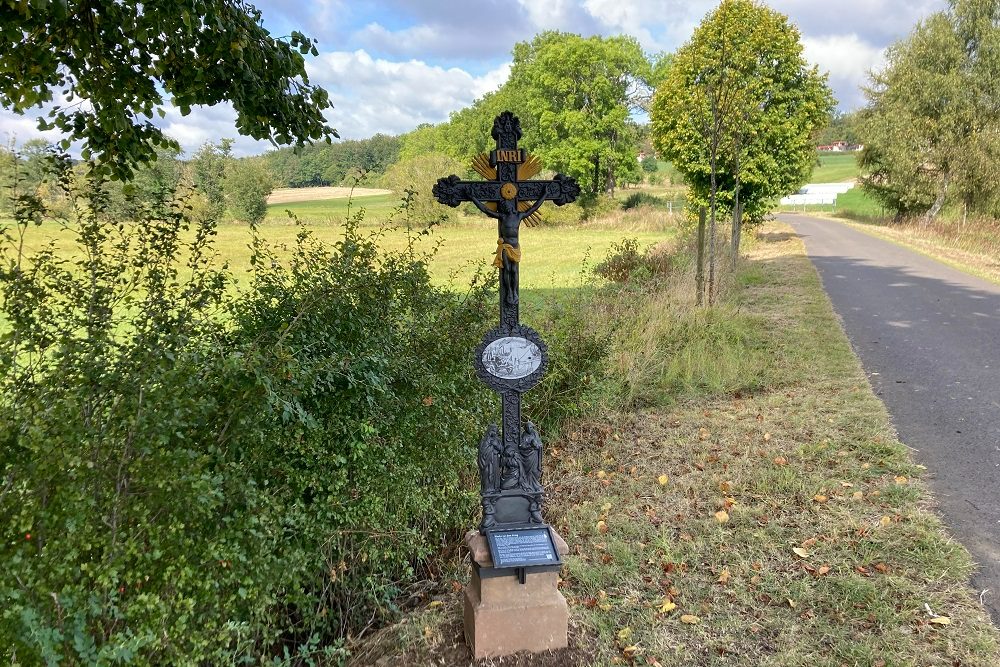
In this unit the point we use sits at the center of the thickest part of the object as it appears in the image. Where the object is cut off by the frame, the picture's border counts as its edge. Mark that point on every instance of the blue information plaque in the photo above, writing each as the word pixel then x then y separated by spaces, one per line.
pixel 522 547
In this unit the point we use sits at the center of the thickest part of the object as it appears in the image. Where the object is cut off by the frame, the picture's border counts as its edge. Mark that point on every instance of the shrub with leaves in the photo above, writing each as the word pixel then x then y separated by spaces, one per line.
pixel 195 475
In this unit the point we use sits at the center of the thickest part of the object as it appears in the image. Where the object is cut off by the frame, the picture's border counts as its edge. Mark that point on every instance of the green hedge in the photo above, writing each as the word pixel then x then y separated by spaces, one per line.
pixel 195 475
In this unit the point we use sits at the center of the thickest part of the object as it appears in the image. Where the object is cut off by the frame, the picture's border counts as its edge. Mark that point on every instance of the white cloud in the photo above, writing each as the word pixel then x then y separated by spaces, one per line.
pixel 18 129
pixel 877 22
pixel 399 63
pixel 551 15
pixel 208 124
pixel 375 95
pixel 637 18
pixel 847 59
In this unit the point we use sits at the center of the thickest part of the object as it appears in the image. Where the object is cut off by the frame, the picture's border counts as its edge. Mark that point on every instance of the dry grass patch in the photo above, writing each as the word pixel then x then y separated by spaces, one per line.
pixel 292 195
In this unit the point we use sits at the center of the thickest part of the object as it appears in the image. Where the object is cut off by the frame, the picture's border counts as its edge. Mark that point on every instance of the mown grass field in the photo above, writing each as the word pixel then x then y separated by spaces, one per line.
pixel 835 168
pixel 554 257
pixel 378 207
pixel 778 524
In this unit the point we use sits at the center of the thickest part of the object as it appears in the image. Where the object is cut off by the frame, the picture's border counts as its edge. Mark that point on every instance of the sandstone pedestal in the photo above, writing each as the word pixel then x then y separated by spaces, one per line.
pixel 503 616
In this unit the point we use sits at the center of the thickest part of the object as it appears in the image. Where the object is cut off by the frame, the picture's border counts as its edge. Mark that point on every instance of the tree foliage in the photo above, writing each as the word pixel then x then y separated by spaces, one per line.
pixel 414 178
pixel 740 95
pixel 247 185
pixel 932 125
pixel 102 69
pixel 209 167
pixel 576 97
pixel 332 164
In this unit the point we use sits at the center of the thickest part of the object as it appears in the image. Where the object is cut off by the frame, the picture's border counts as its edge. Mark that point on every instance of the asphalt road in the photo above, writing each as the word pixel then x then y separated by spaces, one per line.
pixel 929 338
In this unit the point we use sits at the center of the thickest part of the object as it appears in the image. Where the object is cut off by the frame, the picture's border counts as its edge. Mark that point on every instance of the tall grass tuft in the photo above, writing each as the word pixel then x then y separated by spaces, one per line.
pixel 666 348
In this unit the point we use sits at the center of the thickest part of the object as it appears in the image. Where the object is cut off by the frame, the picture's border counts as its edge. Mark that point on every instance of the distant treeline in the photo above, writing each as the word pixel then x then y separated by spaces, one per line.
pixel 333 164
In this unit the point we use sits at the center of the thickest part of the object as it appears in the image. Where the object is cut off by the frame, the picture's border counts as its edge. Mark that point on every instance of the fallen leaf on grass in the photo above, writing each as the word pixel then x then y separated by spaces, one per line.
pixel 630 651
pixel 847 485
pixel 767 437
pixel 690 619
pixel 858 495
pixel 662 480
pixel 823 569
pixel 885 521
pixel 722 516
pixel 791 603
pixel 901 480
pixel 625 634
pixel 808 543
pixel 436 603
pixel 601 474
pixel 780 460
pixel 602 526
pixel 667 607
pixel 820 498
pixel 941 620
pixel 724 577
pixel 800 552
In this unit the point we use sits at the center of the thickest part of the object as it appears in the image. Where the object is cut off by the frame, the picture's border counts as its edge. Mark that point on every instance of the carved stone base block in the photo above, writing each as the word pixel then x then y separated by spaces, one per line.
pixel 503 616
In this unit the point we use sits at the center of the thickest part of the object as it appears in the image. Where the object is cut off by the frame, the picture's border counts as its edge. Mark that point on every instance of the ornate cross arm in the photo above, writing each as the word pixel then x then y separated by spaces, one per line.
pixel 453 191
pixel 560 190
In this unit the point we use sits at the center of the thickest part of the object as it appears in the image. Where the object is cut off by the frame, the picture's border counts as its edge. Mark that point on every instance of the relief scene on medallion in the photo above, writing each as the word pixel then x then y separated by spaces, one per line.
pixel 512 358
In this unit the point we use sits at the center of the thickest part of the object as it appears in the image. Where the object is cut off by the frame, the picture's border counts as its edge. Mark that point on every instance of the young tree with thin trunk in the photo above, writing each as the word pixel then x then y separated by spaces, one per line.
pixel 736 112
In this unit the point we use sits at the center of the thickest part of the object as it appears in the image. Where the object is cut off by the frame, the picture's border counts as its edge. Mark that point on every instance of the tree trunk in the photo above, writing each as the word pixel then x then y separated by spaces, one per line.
pixel 737 228
pixel 939 202
pixel 699 275
pixel 711 239
pixel 737 208
pixel 597 174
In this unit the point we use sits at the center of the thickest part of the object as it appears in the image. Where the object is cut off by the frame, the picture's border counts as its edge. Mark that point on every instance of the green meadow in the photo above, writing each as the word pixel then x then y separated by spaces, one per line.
pixel 835 168
pixel 554 256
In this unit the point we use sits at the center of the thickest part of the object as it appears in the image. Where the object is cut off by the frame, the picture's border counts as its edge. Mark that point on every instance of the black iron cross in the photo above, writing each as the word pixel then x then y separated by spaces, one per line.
pixel 512 357
pixel 510 198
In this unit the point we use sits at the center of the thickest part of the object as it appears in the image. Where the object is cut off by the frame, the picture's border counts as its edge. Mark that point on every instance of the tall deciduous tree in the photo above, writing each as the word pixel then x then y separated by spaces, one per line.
pixel 112 62
pixel 247 186
pixel 932 126
pixel 208 170
pixel 575 96
pixel 737 110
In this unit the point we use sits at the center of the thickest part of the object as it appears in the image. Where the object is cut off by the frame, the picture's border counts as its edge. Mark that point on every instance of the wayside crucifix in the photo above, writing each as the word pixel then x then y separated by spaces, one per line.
pixel 512 357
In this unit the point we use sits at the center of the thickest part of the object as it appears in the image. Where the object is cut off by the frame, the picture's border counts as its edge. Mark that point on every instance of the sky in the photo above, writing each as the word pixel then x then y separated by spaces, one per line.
pixel 390 65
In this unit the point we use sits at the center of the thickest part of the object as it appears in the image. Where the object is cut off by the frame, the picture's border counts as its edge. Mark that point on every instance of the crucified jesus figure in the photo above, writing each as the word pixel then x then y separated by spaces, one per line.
pixel 508 249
